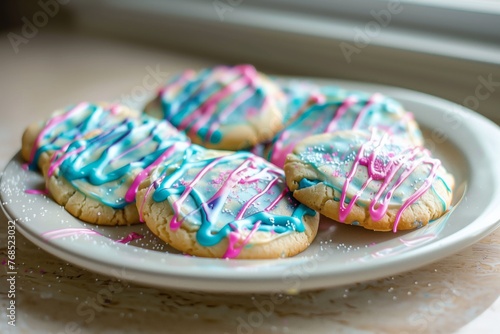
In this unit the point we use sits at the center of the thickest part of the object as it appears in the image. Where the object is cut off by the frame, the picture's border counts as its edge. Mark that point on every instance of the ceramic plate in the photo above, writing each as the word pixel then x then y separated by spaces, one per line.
pixel 467 143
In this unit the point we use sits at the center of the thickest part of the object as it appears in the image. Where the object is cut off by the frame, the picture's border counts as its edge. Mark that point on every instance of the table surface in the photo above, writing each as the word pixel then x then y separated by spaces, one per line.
pixel 457 294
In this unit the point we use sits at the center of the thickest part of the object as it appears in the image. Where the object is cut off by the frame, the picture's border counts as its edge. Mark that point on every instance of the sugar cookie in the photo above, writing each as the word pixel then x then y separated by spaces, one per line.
pixel 373 180
pixel 223 107
pixel 345 110
pixel 223 204
pixel 69 124
pixel 93 160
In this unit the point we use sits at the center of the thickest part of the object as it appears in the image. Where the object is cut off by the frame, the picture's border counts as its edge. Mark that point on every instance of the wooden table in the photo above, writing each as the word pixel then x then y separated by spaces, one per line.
pixel 458 294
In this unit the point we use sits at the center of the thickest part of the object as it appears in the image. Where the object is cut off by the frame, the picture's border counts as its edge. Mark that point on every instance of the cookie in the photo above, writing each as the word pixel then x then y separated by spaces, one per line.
pixel 96 176
pixel 224 107
pixel 345 110
pixel 69 124
pixel 225 205
pixel 373 180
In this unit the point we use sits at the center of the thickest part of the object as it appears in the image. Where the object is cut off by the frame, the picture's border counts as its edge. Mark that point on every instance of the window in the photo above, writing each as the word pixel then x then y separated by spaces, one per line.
pixel 439 47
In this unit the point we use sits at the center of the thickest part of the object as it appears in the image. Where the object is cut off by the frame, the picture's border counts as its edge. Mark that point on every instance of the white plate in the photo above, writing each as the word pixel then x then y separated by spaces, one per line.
pixel 467 143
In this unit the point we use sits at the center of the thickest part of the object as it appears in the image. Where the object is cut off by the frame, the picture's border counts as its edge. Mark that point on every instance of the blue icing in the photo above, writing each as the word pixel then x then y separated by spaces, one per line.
pixel 66 131
pixel 305 183
pixel 193 93
pixel 364 114
pixel 102 165
pixel 214 201
pixel 333 158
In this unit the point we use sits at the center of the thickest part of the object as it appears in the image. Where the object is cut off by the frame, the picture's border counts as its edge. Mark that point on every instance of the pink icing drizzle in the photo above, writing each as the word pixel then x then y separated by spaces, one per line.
pixel 132 191
pixel 186 75
pixel 203 114
pixel 278 198
pixel 280 151
pixel 53 122
pixel 250 202
pixel 234 238
pixel 200 116
pixel 346 104
pixel 37 192
pixel 148 191
pixel 232 179
pixel 114 109
pixel 130 237
pixel 229 109
pixel 212 207
pixel 373 99
pixel 176 206
pixel 56 162
pixel 61 155
pixel 377 171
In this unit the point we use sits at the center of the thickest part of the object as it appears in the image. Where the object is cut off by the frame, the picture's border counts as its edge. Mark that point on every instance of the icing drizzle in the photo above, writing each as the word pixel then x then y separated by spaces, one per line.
pixel 374 172
pixel 232 196
pixel 391 170
pixel 200 103
pixel 72 124
pixel 229 196
pixel 342 110
pixel 105 156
